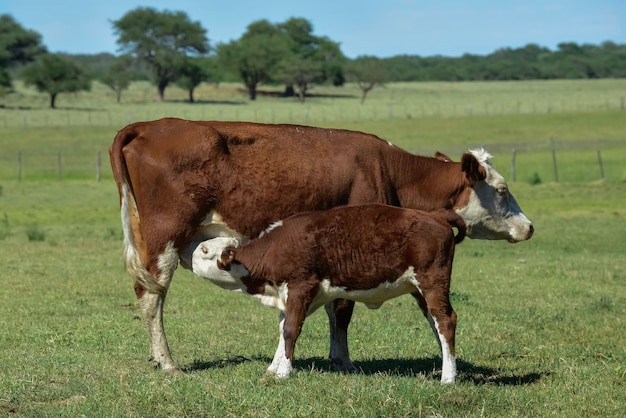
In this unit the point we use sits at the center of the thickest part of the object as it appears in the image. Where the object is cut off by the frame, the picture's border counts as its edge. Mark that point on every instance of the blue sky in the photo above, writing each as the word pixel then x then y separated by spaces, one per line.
pixel 362 27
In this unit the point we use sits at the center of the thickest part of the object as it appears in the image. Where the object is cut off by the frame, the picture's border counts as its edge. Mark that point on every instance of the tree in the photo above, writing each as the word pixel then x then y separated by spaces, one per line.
pixel 118 76
pixel 301 73
pixel 161 39
pixel 312 60
pixel 195 70
pixel 368 72
pixel 256 55
pixel 17 46
pixel 53 75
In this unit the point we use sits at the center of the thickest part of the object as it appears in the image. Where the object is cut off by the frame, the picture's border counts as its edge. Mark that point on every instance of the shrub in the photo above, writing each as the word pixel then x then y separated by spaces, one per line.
pixel 35 233
pixel 535 179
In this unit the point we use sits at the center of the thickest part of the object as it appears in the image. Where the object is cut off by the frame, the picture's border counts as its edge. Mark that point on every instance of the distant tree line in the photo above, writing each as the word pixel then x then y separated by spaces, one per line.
pixel 168 48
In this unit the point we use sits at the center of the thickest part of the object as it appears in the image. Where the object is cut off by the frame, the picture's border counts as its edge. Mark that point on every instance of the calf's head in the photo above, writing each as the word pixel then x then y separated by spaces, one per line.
pixel 207 261
pixel 490 211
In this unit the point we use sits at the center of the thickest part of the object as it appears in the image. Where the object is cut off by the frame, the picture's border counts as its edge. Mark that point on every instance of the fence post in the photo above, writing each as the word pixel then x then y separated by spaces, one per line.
pixel 98 166
pixel 513 165
pixel 600 164
pixel 556 171
pixel 19 166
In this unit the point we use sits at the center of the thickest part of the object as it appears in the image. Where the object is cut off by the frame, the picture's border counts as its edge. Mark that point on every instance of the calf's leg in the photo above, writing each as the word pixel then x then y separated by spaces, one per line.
pixel 290 325
pixel 280 366
pixel 436 307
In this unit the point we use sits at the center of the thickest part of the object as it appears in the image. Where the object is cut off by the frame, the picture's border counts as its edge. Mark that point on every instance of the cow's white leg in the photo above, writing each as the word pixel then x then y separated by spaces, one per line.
pixel 151 303
pixel 281 366
pixel 339 314
pixel 152 309
pixel 448 367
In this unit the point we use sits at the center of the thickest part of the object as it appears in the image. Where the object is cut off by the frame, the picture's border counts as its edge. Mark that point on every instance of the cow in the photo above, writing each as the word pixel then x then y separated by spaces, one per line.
pixel 182 181
pixel 369 253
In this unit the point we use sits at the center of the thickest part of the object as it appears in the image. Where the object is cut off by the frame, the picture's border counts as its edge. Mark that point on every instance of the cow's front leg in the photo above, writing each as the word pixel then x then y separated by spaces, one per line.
pixel 339 315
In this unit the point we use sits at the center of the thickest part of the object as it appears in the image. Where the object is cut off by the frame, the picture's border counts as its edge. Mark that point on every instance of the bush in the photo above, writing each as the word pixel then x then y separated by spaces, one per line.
pixel 535 179
pixel 35 233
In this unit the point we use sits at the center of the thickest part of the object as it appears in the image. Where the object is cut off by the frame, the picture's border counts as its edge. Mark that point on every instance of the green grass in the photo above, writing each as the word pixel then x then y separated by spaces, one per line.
pixel 539 324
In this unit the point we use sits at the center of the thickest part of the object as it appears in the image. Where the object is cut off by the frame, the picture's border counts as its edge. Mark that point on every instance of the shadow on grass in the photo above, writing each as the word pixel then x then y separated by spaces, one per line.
pixel 426 367
pixel 199 365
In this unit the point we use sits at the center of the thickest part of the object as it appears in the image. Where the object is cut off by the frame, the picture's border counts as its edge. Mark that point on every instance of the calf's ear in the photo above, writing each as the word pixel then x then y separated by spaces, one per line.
pixel 228 255
pixel 474 171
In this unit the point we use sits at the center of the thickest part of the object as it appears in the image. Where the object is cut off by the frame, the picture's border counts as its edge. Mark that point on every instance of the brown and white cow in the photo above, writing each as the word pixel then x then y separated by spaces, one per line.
pixel 369 253
pixel 185 181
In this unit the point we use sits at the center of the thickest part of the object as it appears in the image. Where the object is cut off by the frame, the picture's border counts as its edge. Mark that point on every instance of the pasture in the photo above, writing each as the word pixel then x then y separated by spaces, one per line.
pixel 541 323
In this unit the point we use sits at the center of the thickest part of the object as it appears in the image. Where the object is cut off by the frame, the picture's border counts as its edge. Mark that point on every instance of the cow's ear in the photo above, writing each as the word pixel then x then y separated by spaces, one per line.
pixel 228 255
pixel 474 171
pixel 443 157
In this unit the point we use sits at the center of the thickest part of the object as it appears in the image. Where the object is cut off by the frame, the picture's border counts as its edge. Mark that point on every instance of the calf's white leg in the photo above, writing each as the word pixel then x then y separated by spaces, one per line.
pixel 448 367
pixel 280 366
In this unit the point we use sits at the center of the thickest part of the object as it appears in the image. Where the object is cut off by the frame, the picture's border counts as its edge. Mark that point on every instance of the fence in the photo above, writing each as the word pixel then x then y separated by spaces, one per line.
pixel 556 161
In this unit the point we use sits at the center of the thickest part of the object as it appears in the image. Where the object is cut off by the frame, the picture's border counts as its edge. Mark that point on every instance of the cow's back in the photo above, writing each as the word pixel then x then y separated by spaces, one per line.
pixel 255 174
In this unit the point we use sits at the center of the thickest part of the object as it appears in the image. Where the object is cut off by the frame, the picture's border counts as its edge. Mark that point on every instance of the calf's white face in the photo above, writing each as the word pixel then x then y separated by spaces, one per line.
pixel 204 263
pixel 492 212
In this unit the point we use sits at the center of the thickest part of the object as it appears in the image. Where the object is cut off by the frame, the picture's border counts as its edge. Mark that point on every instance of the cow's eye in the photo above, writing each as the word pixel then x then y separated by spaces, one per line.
pixel 502 191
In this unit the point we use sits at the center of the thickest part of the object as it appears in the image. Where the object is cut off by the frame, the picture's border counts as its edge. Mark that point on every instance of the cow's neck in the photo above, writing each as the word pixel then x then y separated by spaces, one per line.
pixel 427 183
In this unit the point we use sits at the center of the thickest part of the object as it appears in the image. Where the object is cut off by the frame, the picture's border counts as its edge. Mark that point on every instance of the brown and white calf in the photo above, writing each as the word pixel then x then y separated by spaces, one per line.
pixel 185 181
pixel 366 254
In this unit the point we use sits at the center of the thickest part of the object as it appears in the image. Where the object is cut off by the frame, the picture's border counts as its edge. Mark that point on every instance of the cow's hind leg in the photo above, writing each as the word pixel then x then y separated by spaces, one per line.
pixel 151 304
pixel 339 314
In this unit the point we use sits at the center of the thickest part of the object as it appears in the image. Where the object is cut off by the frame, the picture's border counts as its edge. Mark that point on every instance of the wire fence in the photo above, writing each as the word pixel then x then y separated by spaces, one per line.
pixel 558 161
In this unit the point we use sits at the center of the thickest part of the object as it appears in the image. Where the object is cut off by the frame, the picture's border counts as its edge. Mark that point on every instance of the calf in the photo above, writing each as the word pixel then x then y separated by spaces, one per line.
pixel 366 254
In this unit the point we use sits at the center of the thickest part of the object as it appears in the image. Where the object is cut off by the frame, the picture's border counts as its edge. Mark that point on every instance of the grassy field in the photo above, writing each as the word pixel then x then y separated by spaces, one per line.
pixel 540 323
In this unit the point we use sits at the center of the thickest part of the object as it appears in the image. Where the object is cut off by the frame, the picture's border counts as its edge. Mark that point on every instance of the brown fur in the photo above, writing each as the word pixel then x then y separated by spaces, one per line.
pixel 354 248
pixel 254 174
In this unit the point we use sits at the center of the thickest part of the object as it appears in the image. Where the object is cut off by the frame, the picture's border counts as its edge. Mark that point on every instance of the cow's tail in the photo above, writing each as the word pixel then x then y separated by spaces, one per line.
pixel 134 244
pixel 455 221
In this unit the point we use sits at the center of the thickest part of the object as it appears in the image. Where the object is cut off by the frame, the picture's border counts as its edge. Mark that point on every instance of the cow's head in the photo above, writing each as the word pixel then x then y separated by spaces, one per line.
pixel 490 210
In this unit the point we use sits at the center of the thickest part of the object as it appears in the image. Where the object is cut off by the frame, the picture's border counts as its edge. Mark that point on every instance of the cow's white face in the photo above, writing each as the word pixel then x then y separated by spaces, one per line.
pixel 491 211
